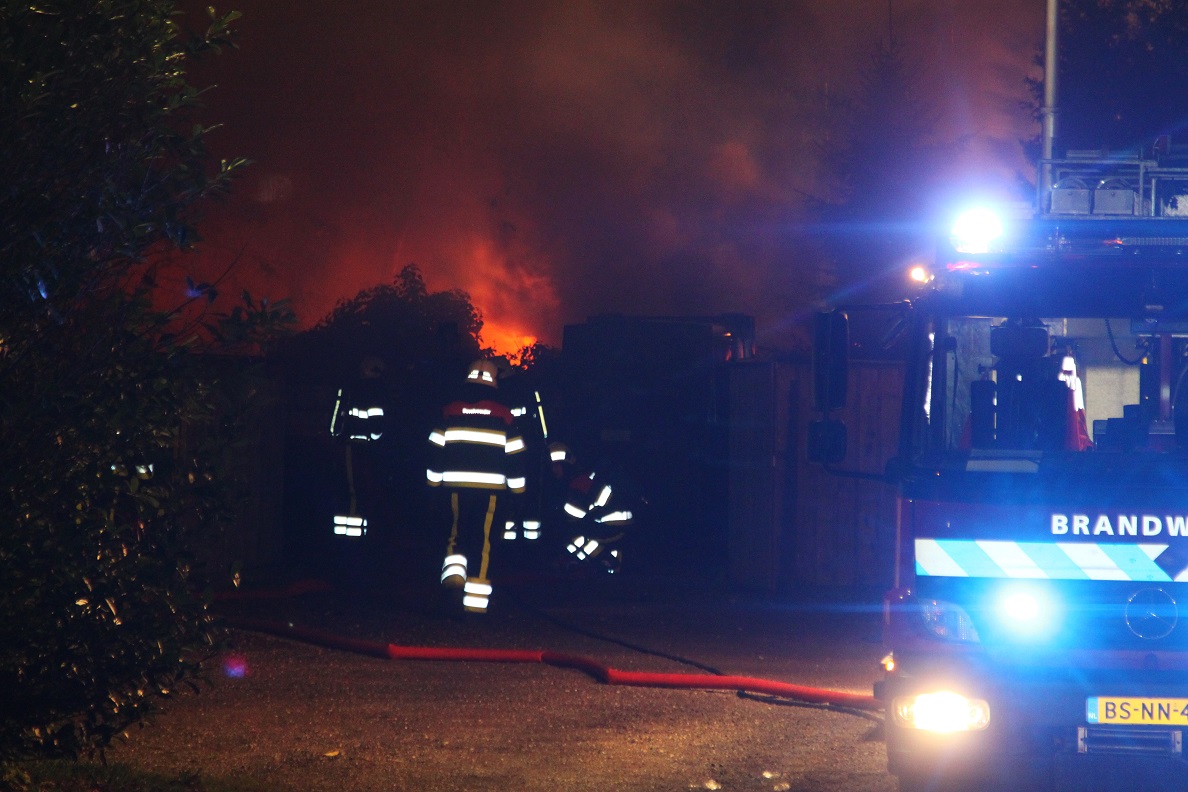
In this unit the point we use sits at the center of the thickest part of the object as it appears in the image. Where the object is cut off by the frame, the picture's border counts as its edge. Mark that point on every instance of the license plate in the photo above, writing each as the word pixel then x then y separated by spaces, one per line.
pixel 1137 711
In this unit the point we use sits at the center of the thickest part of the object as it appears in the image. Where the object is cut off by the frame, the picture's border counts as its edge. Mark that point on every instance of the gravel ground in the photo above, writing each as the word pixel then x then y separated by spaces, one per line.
pixel 291 715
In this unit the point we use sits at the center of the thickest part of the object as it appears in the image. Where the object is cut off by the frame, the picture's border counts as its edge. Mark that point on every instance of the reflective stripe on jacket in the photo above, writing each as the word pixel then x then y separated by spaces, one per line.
pixel 477 446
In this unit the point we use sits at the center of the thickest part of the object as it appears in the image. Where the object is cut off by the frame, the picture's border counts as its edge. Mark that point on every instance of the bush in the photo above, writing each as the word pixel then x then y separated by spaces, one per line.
pixel 115 461
pixel 116 432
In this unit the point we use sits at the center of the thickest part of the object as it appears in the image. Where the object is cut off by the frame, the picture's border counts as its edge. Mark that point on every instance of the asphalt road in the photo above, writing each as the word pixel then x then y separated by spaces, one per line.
pixel 285 714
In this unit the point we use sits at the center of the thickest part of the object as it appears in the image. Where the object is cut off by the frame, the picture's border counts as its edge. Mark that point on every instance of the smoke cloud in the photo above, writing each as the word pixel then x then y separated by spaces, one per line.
pixel 559 159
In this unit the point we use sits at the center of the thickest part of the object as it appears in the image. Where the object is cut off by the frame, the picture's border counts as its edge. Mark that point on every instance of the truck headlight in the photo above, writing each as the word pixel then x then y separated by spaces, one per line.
pixel 948 621
pixel 943 712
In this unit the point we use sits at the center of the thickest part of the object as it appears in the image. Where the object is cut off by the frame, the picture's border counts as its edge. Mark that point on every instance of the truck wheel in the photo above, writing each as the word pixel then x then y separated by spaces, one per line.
pixel 927 782
pixel 913 782
pixel 905 783
pixel 934 782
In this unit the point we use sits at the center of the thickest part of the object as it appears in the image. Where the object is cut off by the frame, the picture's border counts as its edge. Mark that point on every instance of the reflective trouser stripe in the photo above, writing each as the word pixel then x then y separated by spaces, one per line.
pixel 476 595
pixel 453 540
pixel 509 530
pixel 454 565
pixel 350 471
pixel 486 559
pixel 531 529
pixel 349 525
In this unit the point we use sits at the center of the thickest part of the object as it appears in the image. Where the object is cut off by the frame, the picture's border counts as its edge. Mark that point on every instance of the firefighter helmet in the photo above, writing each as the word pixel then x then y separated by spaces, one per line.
pixel 484 371
pixel 559 453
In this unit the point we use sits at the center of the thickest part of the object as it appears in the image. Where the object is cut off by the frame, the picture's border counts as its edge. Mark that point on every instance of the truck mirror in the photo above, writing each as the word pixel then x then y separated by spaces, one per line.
pixel 827 442
pixel 831 360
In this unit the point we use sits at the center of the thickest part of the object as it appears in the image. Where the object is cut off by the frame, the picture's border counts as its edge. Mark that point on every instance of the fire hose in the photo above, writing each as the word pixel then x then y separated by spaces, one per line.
pixel 600 672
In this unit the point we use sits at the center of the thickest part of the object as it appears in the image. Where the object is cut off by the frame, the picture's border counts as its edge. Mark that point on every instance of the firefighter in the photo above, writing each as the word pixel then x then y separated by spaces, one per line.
pixel 598 522
pixel 527 406
pixel 476 454
pixel 358 422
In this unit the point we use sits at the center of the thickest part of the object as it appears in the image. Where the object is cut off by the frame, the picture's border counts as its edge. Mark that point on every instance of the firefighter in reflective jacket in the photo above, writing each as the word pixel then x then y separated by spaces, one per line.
pixel 476 455
pixel 358 422
pixel 527 406
pixel 598 523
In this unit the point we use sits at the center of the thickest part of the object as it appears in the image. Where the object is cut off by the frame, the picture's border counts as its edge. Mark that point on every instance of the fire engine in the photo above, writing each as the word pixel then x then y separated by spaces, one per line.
pixel 1038 626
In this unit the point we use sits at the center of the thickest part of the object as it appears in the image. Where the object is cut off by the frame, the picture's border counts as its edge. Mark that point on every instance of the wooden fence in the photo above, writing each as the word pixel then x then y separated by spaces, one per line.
pixel 792 524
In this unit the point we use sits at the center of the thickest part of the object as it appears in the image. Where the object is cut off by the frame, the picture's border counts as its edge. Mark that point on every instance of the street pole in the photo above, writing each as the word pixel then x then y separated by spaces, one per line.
pixel 1051 55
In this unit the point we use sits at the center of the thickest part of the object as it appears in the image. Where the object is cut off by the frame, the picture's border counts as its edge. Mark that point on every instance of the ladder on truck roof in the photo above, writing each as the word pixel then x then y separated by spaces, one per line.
pixel 1110 238
pixel 1094 184
pixel 1095 208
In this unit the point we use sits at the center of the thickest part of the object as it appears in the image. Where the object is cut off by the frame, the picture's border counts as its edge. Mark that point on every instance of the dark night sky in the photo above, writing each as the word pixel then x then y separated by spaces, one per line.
pixel 563 158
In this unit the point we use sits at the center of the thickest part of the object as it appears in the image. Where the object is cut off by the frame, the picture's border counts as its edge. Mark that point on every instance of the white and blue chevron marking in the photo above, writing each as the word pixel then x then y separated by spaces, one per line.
pixel 1048 560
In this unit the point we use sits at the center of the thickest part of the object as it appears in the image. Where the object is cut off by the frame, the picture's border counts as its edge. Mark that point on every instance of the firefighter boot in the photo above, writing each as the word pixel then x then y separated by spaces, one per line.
pixel 453 572
pixel 477 595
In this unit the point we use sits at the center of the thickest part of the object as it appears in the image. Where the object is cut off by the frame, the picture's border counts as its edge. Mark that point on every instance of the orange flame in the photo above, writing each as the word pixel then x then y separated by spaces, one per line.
pixel 518 303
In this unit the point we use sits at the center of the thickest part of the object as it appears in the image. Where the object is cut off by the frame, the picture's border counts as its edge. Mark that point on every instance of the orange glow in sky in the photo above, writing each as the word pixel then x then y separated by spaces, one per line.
pixel 562 160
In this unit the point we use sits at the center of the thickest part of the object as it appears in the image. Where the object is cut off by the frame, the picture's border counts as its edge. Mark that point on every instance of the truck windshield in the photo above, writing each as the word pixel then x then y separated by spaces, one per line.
pixel 1003 387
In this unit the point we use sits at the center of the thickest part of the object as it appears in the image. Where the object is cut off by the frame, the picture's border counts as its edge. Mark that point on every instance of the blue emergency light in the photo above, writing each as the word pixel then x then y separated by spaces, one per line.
pixel 1027 611
pixel 976 230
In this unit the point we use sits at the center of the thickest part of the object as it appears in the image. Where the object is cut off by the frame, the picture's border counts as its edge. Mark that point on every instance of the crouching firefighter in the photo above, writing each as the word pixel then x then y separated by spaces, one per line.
pixel 597 522
pixel 476 454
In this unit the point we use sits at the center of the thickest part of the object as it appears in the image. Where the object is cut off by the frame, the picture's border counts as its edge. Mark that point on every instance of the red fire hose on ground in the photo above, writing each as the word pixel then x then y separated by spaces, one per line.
pixel 604 674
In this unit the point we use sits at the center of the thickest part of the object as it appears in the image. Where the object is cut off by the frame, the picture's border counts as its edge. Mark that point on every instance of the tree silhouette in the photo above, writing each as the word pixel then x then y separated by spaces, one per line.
pixel 1123 78
pixel 880 155
pixel 402 323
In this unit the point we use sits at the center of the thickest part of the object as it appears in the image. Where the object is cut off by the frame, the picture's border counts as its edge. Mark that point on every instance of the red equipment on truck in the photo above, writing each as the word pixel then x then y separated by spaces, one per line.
pixel 1038 624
